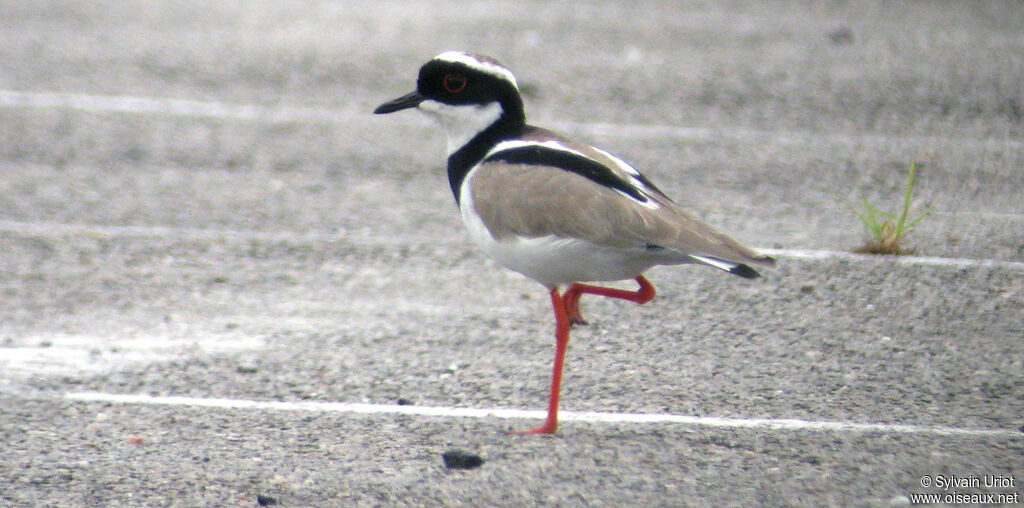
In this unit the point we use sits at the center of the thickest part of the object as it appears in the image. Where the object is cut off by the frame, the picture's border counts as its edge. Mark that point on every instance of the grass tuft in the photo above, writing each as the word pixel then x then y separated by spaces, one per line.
pixel 888 230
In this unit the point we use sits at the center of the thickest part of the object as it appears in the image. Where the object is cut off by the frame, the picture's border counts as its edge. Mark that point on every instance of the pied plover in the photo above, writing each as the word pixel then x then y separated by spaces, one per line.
pixel 556 210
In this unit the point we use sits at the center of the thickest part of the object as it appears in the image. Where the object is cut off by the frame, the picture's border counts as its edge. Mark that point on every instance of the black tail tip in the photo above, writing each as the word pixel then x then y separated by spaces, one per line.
pixel 744 271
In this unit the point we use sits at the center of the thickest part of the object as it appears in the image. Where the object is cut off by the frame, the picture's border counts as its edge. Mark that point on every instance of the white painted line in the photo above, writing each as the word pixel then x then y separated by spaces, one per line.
pixel 906 260
pixel 785 138
pixel 960 214
pixel 252 112
pixel 164 106
pixel 56 229
pixel 570 416
pixel 56 354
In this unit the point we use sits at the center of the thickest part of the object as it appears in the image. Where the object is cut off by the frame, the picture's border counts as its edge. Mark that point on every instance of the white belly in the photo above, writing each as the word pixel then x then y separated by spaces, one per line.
pixel 551 260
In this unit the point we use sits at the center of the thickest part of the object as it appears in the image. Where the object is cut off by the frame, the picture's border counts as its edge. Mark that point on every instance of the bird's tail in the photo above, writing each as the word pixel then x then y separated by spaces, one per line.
pixel 740 269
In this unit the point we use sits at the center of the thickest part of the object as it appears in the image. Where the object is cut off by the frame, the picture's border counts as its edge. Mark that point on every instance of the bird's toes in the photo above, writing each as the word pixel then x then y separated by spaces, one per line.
pixel 577 321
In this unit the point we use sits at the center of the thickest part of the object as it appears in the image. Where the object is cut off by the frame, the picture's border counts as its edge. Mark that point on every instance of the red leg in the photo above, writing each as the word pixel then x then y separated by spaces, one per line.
pixel 561 342
pixel 567 313
pixel 575 291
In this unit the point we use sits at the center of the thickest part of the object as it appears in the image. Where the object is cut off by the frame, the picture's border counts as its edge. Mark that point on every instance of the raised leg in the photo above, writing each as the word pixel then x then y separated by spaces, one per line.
pixel 575 291
pixel 561 342
pixel 566 308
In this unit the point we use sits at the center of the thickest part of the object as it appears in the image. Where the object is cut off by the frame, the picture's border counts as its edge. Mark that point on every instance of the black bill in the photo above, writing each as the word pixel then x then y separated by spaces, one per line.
pixel 409 100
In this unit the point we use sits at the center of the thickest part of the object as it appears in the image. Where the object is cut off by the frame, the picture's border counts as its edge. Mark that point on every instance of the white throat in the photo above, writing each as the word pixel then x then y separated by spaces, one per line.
pixel 462 123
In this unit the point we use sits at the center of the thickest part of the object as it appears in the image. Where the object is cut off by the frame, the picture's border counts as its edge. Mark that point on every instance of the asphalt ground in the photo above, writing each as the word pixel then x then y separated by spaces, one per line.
pixel 195 202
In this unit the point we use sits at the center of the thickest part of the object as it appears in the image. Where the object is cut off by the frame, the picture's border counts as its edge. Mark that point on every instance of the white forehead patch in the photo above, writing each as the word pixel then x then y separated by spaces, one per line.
pixel 474 63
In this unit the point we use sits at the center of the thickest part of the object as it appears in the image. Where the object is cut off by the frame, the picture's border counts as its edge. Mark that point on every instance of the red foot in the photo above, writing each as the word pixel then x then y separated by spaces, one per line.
pixel 549 427
pixel 572 305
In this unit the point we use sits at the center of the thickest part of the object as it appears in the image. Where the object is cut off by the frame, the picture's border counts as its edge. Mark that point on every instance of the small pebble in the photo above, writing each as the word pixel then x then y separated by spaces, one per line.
pixel 899 501
pixel 841 37
pixel 266 499
pixel 461 459
pixel 404 402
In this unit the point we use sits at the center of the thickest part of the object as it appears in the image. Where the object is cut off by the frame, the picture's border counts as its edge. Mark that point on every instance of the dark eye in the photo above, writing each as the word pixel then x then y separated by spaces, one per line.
pixel 454 83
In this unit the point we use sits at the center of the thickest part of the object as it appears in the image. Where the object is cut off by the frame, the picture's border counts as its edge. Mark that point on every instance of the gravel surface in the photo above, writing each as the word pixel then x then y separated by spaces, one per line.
pixel 256 234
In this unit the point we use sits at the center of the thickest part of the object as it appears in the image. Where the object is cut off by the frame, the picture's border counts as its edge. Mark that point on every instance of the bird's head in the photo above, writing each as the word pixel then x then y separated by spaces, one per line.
pixel 466 93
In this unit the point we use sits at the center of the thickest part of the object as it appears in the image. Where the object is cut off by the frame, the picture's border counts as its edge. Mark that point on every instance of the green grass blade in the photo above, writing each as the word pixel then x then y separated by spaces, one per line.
pixel 919 217
pixel 906 195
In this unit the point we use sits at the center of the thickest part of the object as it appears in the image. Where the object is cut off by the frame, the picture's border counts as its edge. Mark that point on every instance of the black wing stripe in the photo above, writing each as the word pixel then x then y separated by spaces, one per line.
pixel 568 161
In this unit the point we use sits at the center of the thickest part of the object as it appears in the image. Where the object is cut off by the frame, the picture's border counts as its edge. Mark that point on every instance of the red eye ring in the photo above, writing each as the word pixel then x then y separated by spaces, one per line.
pixel 454 83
